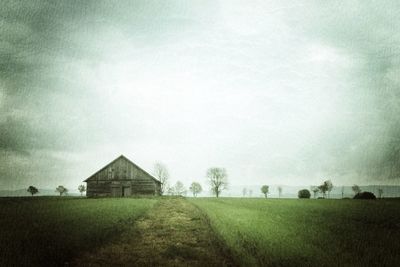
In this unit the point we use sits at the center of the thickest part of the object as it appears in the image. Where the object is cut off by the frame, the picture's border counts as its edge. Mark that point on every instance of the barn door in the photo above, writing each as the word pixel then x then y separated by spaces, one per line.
pixel 115 191
pixel 126 191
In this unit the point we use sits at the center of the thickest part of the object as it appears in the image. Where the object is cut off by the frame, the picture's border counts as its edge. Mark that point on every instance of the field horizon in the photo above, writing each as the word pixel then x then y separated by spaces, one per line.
pixel 289 191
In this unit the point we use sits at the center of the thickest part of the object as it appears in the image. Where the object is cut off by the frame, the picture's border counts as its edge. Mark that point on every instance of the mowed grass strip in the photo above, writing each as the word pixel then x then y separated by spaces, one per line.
pixel 173 233
pixel 294 232
pixel 50 231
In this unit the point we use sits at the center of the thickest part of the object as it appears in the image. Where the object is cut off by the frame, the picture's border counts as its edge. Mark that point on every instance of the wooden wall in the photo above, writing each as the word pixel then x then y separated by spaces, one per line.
pixel 121 178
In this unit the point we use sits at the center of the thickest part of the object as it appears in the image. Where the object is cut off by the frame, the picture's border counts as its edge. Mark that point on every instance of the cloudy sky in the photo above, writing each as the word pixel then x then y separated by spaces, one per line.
pixel 277 92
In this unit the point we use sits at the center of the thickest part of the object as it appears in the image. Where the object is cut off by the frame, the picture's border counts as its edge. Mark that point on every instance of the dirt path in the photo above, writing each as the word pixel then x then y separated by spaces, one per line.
pixel 173 233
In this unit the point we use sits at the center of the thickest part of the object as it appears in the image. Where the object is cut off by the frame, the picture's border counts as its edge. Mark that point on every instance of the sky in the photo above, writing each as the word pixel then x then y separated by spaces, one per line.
pixel 276 92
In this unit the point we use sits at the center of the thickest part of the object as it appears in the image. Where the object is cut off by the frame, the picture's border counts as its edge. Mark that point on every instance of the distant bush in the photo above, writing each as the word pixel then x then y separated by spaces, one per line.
pixel 365 195
pixel 320 198
pixel 304 193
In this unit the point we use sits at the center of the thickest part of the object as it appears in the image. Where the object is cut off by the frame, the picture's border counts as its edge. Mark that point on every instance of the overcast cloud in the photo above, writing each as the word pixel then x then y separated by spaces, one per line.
pixel 277 92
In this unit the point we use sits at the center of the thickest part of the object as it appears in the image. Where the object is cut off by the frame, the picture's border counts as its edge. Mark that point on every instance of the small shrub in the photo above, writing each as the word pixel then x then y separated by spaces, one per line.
pixel 365 195
pixel 304 193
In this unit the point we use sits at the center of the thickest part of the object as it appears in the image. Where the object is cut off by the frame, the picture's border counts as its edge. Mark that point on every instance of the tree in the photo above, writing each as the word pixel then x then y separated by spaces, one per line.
pixel 179 189
pixel 218 179
pixel 265 190
pixel 356 189
pixel 342 191
pixel 170 190
pixel 32 190
pixel 322 188
pixel 161 173
pixel 82 188
pixel 304 193
pixel 61 189
pixel 250 192
pixel 279 191
pixel 380 192
pixel 244 192
pixel 327 186
pixel 315 190
pixel 195 188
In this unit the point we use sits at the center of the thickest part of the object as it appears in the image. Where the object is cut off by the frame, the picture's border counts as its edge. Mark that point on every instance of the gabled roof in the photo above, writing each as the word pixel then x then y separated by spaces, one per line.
pixel 123 157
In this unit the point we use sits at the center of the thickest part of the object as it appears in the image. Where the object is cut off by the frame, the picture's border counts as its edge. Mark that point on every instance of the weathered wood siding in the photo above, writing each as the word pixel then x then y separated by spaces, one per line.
pixel 121 178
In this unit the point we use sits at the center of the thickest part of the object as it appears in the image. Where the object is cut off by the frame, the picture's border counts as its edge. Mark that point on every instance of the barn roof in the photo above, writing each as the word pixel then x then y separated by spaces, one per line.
pixel 131 162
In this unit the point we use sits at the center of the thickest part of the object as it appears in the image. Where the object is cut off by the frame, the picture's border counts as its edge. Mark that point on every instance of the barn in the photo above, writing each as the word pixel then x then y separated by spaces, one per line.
pixel 122 178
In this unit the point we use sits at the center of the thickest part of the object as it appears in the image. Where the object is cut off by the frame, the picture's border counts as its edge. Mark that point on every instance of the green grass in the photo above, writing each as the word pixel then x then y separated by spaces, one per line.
pixel 274 232
pixel 296 232
pixel 51 231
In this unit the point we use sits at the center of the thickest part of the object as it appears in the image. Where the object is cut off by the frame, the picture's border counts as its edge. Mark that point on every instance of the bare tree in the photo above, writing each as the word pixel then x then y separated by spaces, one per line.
pixel 343 191
pixel 356 189
pixel 279 191
pixel 161 173
pixel 244 192
pixel 315 190
pixel 179 189
pixel 380 192
pixel 61 189
pixel 322 188
pixel 32 190
pixel 265 190
pixel 170 190
pixel 327 186
pixel 218 180
pixel 195 188
pixel 82 188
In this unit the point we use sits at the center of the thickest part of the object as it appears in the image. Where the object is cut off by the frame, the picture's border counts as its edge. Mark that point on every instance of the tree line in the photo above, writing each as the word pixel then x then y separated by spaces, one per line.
pixel 62 190
pixel 216 177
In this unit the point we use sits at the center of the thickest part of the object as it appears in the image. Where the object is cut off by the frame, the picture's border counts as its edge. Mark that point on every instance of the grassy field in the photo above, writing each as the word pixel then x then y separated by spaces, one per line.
pixel 53 231
pixel 293 232
pixel 50 231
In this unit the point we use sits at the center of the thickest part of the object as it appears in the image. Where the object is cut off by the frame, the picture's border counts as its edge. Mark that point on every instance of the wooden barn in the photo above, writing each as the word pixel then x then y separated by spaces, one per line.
pixel 121 178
